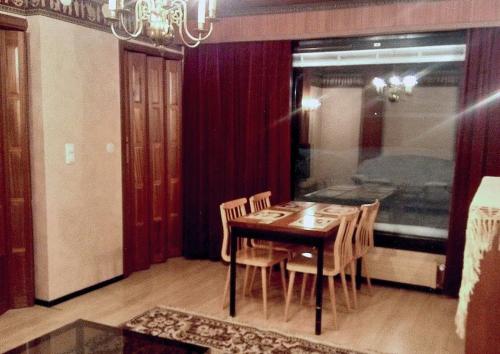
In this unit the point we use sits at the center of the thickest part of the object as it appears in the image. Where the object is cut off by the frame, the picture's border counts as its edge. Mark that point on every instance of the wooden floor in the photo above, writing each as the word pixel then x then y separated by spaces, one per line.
pixel 391 321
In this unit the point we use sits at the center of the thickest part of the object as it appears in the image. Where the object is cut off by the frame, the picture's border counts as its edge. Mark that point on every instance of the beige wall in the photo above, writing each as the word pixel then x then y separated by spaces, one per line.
pixel 422 124
pixel 77 208
pixel 334 135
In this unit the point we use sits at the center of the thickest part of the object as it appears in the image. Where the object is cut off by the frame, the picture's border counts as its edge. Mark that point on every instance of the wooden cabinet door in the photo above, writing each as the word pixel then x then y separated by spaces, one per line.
pixel 16 238
pixel 137 225
pixel 174 140
pixel 157 159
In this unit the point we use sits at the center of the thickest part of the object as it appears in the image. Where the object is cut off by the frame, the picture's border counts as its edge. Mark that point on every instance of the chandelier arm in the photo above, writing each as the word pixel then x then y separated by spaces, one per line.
pixel 186 30
pixel 123 38
pixel 138 22
pixel 202 38
pixel 186 43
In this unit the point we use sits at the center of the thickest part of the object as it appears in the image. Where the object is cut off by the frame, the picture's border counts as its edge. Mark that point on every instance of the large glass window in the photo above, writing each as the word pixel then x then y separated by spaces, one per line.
pixel 380 123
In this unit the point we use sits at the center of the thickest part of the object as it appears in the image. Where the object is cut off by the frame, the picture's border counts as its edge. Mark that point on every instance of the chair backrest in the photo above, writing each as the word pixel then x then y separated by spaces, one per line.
pixel 260 201
pixel 364 232
pixel 342 247
pixel 229 211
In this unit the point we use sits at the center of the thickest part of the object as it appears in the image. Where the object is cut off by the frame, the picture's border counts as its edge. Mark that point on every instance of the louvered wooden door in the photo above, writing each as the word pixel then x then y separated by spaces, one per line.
pixel 157 159
pixel 174 143
pixel 152 161
pixel 137 211
pixel 16 240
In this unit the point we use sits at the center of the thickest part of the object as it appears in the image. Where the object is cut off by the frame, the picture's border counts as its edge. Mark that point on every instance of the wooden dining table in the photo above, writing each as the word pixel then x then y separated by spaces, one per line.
pixel 305 223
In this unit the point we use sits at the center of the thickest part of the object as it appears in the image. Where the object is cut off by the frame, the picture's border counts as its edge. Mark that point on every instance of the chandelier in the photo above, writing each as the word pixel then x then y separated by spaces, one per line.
pixel 395 87
pixel 159 20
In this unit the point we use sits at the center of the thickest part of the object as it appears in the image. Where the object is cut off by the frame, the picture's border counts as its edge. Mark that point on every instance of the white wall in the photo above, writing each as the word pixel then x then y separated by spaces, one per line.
pixel 77 208
pixel 334 134
pixel 422 124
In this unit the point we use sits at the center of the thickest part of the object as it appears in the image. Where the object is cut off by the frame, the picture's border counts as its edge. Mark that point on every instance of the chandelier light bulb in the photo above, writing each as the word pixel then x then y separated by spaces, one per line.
pixel 395 80
pixel 379 84
pixel 409 82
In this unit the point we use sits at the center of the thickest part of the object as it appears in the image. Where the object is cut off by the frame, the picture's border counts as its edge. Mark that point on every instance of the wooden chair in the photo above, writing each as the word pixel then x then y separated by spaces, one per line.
pixel 334 263
pixel 248 256
pixel 363 240
pixel 259 202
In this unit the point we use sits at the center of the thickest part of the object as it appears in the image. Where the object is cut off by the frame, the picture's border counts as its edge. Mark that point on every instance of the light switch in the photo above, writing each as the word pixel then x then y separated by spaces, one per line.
pixel 110 147
pixel 69 153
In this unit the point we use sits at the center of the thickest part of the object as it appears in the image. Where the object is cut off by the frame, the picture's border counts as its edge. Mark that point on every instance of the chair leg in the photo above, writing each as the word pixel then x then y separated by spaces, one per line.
pixel 368 280
pixel 346 293
pixel 226 289
pixel 331 286
pixel 303 288
pixel 289 295
pixel 245 280
pixel 283 278
pixel 312 299
pixel 353 284
pixel 264 290
pixel 252 279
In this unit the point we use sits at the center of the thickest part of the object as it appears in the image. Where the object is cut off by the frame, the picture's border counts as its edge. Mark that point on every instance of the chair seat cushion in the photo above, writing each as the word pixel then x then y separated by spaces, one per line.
pixel 306 263
pixel 290 248
pixel 260 257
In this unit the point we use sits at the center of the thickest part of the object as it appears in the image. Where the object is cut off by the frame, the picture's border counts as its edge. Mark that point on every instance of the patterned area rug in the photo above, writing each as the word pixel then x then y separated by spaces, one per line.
pixel 221 336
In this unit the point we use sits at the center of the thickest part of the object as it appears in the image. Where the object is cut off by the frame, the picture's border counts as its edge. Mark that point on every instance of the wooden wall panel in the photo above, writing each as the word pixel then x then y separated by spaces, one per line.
pixel 16 239
pixel 157 160
pixel 137 226
pixel 399 17
pixel 174 168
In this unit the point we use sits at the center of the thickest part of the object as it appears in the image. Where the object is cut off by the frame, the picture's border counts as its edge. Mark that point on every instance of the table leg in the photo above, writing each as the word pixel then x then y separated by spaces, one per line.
pixel 232 291
pixel 358 273
pixel 319 287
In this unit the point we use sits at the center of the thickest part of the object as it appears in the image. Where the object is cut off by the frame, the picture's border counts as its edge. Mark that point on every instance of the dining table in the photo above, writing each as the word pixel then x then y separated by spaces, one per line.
pixel 295 222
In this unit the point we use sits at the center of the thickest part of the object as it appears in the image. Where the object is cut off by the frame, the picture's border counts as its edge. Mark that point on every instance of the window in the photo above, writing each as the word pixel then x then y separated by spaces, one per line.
pixel 377 120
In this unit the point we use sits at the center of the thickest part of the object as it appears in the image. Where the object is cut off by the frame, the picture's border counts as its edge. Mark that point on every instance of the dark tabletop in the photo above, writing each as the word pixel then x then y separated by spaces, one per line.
pixel 89 337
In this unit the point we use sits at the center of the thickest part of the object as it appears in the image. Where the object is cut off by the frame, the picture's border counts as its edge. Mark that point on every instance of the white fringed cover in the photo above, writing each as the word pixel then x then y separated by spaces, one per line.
pixel 483 230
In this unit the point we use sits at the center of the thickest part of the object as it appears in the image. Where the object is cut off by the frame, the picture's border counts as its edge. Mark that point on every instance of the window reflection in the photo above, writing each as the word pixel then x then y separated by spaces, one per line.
pixel 374 137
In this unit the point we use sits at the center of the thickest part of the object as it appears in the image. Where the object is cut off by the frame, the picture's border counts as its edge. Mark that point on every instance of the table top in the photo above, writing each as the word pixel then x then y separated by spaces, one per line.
pixel 304 218
pixel 350 193
pixel 89 337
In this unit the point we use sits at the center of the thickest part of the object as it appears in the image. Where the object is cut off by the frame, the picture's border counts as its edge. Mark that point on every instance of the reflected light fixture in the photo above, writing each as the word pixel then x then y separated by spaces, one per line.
pixel 159 20
pixel 310 103
pixel 395 87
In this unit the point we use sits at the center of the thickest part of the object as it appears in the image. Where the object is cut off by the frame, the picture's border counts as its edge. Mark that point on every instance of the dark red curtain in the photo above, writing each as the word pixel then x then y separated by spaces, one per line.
pixel 236 133
pixel 478 143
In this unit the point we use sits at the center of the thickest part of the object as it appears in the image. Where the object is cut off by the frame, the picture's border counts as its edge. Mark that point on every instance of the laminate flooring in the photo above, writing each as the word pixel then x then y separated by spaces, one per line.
pixel 392 320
